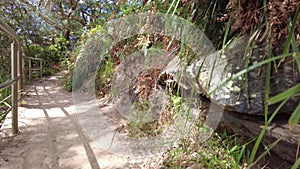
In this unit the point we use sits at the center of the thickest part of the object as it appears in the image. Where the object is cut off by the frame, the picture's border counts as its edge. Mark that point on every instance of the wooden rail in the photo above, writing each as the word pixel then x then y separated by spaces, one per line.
pixel 31 69
pixel 16 81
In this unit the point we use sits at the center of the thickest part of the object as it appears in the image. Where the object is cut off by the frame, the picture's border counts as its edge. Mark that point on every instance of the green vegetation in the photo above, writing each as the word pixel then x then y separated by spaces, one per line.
pixel 143 122
pixel 4 74
pixel 281 98
pixel 104 76
pixel 51 55
pixel 219 151
pixel 57 31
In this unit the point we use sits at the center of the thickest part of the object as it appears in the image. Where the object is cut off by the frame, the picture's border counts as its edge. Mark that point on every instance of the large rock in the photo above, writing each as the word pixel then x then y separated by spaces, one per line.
pixel 239 94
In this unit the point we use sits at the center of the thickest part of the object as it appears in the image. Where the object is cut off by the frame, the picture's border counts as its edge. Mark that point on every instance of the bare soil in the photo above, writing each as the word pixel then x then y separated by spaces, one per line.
pixel 50 135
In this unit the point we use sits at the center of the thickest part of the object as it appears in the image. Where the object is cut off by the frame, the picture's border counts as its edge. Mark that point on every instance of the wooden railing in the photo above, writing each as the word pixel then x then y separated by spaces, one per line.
pixel 37 67
pixel 16 81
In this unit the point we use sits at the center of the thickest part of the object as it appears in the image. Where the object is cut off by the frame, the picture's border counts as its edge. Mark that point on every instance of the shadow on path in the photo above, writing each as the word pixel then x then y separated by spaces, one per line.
pixel 50 135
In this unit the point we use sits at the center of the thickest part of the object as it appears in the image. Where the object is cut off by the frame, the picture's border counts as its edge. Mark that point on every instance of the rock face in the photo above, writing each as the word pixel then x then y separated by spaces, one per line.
pixel 245 93
pixel 215 75
pixel 137 78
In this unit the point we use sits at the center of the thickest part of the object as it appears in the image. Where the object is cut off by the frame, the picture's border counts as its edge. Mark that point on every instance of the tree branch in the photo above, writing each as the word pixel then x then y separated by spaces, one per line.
pixel 49 21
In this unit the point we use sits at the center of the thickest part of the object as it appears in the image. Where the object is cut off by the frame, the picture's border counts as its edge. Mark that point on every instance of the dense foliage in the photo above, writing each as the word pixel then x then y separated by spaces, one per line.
pixel 57 30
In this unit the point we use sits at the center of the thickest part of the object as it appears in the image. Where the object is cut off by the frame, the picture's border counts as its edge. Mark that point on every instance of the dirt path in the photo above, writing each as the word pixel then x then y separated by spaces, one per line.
pixel 50 135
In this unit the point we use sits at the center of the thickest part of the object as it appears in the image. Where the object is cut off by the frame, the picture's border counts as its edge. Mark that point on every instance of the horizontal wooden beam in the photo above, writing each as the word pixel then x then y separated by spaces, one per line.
pixel 8 83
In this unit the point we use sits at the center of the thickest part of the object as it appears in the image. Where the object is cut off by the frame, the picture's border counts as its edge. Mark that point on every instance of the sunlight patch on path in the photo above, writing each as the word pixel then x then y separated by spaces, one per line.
pixel 50 135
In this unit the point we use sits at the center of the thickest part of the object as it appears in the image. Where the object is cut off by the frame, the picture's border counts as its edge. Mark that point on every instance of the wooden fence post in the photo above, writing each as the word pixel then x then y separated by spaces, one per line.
pixel 20 75
pixel 16 71
pixel 41 68
pixel 14 88
pixel 29 69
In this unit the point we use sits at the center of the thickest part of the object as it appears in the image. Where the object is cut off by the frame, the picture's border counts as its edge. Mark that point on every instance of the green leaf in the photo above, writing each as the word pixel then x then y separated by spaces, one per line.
pixel 284 95
pixel 263 131
pixel 295 117
pixel 296 164
pixel 298 61
pixel 292 30
pixel 227 31
pixel 295 48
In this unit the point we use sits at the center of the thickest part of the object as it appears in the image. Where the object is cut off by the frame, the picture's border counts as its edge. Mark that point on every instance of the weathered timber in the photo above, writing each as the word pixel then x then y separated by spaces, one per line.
pixel 250 126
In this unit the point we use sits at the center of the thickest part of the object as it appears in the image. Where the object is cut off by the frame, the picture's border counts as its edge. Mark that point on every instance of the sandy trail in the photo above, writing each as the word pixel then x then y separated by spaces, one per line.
pixel 50 135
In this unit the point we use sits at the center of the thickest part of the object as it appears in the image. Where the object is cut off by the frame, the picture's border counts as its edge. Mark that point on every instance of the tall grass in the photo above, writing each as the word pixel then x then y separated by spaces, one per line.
pixel 281 98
